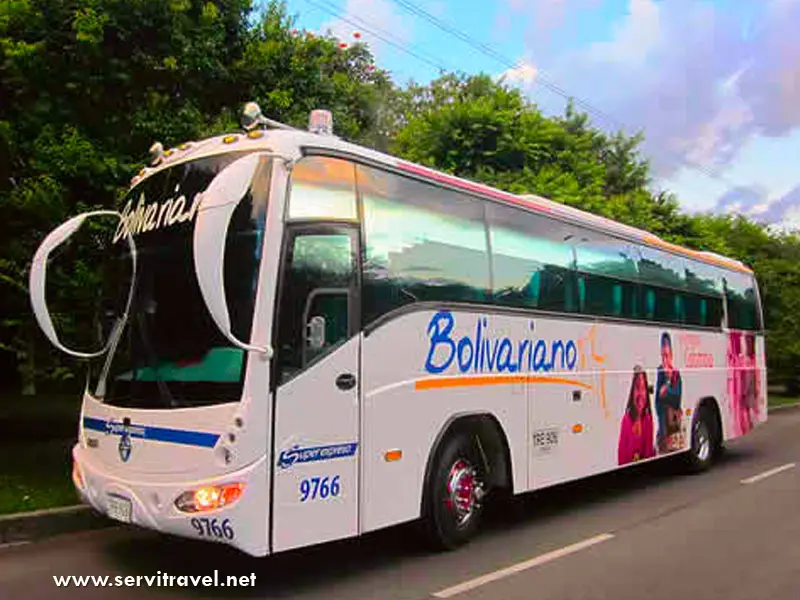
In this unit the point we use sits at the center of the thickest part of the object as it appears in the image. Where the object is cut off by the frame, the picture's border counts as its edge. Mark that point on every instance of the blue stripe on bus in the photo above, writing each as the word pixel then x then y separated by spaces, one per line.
pixel 158 434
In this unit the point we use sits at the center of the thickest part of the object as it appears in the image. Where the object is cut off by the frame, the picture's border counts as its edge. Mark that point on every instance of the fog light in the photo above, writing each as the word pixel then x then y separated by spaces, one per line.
pixel 209 497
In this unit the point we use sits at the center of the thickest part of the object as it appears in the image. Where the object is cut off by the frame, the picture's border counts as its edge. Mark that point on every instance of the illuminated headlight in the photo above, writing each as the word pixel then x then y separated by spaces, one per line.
pixel 210 497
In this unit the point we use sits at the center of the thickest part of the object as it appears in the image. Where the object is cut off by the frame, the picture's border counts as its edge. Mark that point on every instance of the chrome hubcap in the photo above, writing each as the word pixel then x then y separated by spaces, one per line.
pixel 464 491
pixel 702 441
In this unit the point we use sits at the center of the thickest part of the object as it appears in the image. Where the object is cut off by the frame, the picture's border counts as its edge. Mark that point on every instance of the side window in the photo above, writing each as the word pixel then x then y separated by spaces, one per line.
pixel 742 305
pixel 323 188
pixel 607 271
pixel 607 296
pixel 531 261
pixel 422 243
pixel 663 278
pixel 317 297
pixel 702 278
pixel 661 268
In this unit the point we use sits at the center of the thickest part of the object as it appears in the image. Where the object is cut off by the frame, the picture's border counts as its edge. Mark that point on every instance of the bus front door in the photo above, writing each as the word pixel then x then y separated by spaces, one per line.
pixel 315 489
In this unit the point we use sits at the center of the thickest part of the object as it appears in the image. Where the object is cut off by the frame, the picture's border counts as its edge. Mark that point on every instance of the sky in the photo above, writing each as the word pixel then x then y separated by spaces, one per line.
pixel 714 85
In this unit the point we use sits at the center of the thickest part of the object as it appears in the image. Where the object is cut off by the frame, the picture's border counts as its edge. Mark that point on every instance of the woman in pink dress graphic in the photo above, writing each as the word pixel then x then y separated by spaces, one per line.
pixel 636 430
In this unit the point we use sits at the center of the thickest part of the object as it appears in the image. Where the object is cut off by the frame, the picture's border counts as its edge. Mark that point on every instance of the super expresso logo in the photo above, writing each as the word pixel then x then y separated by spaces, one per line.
pixel 297 454
pixel 482 353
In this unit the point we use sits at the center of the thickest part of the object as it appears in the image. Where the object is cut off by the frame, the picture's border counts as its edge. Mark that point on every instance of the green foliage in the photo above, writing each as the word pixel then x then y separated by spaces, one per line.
pixel 477 128
pixel 86 86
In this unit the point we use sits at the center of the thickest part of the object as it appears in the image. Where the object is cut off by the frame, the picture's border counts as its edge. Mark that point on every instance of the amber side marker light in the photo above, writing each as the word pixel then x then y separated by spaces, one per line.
pixel 393 455
pixel 577 428
pixel 210 497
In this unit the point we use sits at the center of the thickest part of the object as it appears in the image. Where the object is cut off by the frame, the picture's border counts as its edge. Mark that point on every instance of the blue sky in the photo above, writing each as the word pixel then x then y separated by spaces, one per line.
pixel 714 84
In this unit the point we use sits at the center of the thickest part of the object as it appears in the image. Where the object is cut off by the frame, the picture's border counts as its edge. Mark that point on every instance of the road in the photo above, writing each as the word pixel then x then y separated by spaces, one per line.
pixel 663 534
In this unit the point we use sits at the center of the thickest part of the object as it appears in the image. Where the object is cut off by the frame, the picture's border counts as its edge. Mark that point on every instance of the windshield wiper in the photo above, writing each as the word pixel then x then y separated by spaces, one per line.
pixel 153 360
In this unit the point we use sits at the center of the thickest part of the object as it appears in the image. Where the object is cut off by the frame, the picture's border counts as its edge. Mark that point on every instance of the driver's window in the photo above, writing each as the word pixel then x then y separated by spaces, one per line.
pixel 316 297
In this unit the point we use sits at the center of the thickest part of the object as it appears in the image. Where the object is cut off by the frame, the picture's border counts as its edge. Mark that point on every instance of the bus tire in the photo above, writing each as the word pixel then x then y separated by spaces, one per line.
pixel 454 492
pixel 704 445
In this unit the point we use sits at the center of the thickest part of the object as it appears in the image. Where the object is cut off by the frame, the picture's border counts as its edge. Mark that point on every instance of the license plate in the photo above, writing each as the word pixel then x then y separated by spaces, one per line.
pixel 119 508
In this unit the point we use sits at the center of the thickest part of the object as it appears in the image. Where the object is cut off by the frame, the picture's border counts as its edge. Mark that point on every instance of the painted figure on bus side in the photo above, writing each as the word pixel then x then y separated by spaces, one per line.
pixel 751 387
pixel 636 430
pixel 734 360
pixel 669 390
pixel 743 385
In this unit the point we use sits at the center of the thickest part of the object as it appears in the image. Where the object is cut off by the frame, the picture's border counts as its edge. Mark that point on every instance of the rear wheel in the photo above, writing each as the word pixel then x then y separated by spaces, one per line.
pixel 455 493
pixel 705 440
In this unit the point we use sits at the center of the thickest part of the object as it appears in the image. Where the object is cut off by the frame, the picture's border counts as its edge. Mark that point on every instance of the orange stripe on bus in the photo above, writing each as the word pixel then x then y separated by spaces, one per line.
pixel 656 241
pixel 481 380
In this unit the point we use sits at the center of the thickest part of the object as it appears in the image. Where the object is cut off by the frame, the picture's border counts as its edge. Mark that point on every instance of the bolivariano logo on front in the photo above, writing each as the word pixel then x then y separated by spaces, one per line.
pixel 155 215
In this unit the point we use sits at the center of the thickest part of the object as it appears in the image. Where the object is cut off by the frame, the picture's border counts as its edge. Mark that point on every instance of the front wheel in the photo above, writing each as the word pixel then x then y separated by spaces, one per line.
pixel 704 444
pixel 455 493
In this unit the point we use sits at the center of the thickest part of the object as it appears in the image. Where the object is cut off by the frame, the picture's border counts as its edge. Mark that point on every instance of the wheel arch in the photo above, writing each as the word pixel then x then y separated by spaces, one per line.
pixel 494 443
pixel 710 403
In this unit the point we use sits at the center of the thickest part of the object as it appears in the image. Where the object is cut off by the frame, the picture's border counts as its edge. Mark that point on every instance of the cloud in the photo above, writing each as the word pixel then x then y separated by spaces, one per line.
pixel 379 15
pixel 771 84
pixel 753 202
pixel 687 73
pixel 524 74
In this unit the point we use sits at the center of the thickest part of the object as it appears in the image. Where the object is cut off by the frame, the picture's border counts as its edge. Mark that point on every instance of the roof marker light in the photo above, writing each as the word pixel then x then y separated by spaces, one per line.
pixel 156 153
pixel 321 122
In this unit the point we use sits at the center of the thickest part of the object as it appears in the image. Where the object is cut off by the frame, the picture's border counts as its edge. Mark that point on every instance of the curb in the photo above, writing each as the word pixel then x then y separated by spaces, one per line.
pixel 782 407
pixel 29 526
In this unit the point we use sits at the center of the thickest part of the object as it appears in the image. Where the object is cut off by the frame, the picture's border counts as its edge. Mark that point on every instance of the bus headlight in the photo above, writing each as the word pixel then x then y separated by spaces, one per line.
pixel 210 497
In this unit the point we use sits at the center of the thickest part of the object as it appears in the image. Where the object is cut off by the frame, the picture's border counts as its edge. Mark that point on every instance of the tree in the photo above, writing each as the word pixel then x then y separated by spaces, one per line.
pixel 86 87
pixel 477 128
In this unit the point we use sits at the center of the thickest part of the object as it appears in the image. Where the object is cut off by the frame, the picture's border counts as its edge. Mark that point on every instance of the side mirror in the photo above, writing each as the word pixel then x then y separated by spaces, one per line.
pixel 38 276
pixel 315 334
pixel 214 215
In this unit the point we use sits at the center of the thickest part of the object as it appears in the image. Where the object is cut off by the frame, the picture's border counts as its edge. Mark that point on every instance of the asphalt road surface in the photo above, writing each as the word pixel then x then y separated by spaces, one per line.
pixel 648 532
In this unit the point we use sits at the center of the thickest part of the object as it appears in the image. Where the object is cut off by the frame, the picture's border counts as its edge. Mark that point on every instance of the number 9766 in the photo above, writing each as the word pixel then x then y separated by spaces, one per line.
pixel 313 488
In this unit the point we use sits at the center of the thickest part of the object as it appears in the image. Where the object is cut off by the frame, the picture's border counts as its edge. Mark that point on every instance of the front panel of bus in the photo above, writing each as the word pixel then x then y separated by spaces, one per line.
pixel 175 424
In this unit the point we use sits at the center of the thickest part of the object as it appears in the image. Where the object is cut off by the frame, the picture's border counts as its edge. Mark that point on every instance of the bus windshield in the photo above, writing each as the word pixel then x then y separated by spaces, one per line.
pixel 171 354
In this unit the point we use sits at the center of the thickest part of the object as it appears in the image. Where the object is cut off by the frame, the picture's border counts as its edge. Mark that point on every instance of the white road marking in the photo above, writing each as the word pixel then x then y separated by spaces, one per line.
pixel 769 473
pixel 13 544
pixel 522 566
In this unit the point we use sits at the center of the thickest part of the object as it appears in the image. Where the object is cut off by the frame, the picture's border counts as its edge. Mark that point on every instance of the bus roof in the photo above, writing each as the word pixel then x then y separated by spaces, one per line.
pixel 294 143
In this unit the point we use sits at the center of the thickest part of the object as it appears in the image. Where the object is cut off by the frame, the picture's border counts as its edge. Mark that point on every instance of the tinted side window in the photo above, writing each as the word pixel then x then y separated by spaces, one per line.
pixel 741 297
pixel 607 275
pixel 661 268
pixel 323 188
pixel 702 278
pixel 531 261
pixel 703 310
pixel 607 296
pixel 422 243
pixel 319 276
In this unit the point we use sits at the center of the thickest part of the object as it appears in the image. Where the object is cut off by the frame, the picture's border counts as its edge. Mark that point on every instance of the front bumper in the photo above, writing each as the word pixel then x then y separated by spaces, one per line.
pixel 242 524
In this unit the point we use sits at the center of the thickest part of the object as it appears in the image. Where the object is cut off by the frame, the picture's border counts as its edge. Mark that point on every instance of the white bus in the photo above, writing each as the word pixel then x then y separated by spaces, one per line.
pixel 318 340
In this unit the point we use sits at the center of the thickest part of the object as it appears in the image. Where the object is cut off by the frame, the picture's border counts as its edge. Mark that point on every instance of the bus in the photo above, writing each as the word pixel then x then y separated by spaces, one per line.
pixel 313 340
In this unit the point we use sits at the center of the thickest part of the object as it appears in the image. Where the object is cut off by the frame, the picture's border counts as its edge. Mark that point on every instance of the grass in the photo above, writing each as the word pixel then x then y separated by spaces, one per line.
pixel 36 476
pixel 36 438
pixel 775 400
